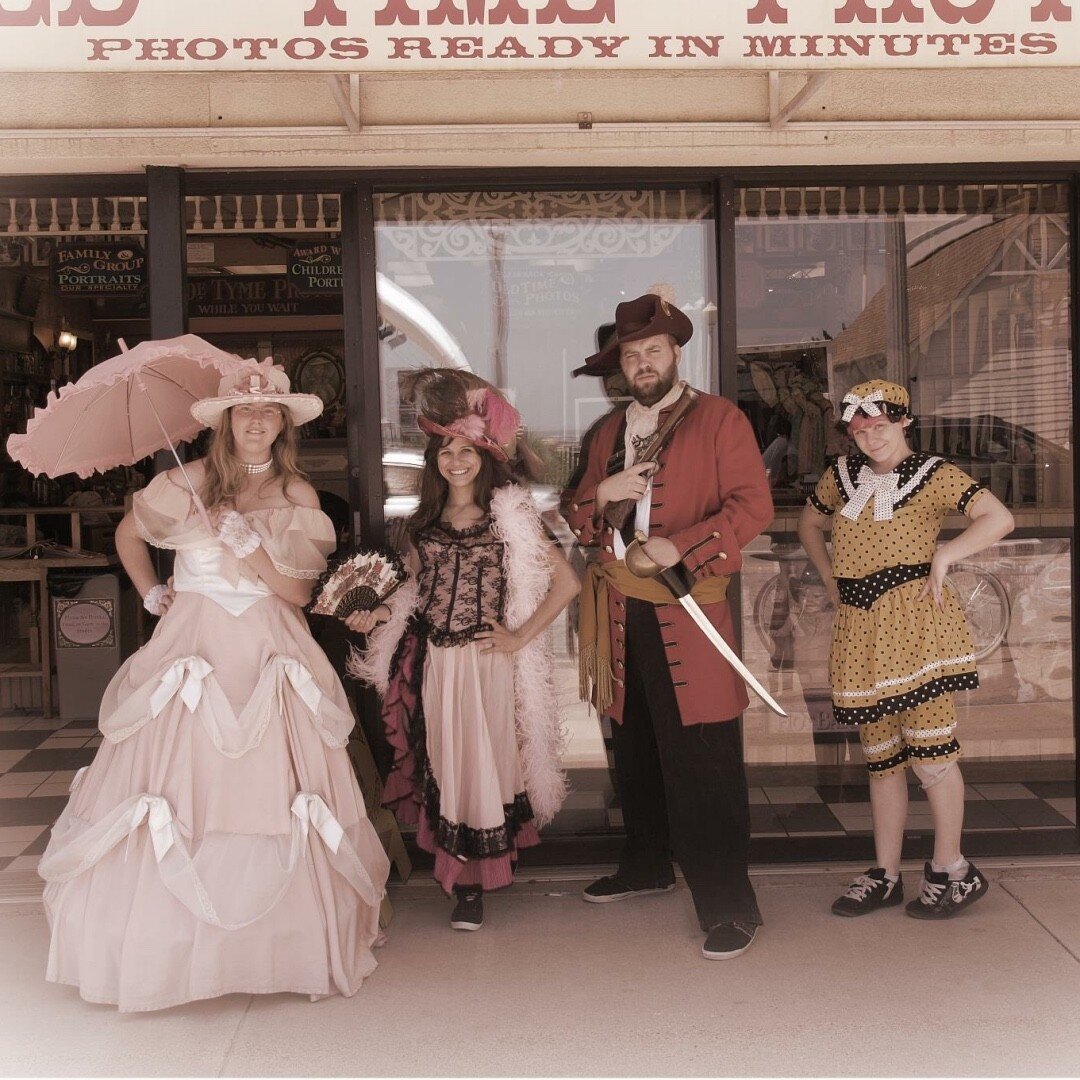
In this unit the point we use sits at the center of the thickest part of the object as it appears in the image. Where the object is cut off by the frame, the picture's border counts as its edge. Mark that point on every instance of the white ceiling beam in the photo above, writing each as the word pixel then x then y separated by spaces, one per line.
pixel 354 95
pixel 779 115
pixel 346 91
pixel 774 98
pixel 632 130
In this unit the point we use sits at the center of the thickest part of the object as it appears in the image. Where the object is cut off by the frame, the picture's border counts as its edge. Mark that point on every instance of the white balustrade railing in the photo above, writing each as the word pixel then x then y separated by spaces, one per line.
pixel 213 214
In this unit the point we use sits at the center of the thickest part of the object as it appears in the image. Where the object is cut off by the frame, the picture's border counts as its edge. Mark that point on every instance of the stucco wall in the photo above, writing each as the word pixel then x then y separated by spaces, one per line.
pixel 112 122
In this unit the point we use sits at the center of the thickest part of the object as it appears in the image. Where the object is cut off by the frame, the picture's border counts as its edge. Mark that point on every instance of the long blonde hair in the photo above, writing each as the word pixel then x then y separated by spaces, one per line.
pixel 225 475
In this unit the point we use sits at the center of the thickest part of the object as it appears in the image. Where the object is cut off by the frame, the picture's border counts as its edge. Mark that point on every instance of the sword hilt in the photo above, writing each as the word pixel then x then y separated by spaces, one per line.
pixel 677 579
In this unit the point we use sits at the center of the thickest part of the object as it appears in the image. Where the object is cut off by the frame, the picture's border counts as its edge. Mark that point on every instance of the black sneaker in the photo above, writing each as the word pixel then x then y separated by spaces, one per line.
pixel 942 899
pixel 468 913
pixel 868 892
pixel 728 940
pixel 609 889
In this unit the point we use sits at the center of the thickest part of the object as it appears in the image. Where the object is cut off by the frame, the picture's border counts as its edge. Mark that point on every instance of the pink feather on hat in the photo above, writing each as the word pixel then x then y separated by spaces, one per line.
pixel 501 417
pixel 470 427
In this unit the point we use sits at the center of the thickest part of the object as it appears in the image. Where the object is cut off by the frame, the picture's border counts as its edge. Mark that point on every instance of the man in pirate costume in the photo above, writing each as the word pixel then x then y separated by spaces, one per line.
pixel 673 700
pixel 900 646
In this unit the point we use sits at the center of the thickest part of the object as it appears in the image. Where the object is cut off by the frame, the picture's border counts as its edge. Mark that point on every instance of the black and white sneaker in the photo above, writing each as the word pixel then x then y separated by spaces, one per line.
pixel 942 898
pixel 468 913
pixel 868 892
pixel 607 890
pixel 728 940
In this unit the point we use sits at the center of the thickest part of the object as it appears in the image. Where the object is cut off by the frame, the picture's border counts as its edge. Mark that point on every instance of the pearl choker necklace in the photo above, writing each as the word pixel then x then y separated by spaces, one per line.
pixel 254 470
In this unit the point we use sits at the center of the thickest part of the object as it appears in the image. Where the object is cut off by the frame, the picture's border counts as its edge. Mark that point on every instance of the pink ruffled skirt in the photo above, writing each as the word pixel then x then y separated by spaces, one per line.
pixel 482 819
pixel 218 843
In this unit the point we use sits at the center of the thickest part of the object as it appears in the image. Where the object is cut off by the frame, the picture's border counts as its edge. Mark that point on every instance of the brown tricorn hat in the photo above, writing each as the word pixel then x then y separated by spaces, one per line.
pixel 644 317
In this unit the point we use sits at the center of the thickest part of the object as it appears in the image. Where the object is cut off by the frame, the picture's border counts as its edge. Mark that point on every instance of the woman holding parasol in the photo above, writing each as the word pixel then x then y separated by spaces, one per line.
pixel 219 843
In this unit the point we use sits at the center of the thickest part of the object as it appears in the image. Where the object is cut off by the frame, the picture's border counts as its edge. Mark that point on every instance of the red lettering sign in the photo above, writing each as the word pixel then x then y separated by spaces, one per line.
pixel 84 11
pixel 1051 9
pixel 561 11
pixel 766 11
pixel 37 13
pixel 397 12
pixel 508 11
pixel 948 11
pixel 324 11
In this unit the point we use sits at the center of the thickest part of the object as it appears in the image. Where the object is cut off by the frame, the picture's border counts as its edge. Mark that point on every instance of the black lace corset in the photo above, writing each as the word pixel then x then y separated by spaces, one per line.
pixel 462 586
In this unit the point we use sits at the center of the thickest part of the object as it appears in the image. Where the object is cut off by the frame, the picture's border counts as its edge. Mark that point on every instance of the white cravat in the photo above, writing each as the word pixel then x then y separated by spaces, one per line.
pixel 881 487
pixel 642 422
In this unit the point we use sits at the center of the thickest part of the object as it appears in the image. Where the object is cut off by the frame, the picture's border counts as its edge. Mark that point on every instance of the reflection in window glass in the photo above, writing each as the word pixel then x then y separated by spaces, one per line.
pixel 960 293
pixel 518 286
pixel 74 278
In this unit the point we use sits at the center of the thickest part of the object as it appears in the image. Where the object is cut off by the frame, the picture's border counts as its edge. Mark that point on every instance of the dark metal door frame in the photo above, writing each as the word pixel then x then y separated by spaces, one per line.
pixel 166 187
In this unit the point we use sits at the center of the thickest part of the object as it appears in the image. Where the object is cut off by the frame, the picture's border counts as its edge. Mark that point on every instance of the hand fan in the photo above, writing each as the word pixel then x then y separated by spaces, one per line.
pixel 358 582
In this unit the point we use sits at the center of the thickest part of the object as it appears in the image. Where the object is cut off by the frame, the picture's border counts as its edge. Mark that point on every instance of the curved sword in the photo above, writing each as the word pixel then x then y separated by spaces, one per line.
pixel 678 581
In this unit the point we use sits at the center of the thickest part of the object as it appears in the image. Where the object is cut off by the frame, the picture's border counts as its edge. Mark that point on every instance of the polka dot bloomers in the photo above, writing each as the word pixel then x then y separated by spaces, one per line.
pixel 924 733
pixel 895 659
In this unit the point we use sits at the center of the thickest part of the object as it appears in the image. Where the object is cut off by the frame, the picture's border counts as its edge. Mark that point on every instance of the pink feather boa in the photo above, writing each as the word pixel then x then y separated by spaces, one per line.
pixel 540 733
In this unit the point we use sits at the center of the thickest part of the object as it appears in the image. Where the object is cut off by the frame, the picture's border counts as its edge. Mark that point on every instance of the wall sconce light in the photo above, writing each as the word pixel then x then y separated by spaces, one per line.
pixel 67 340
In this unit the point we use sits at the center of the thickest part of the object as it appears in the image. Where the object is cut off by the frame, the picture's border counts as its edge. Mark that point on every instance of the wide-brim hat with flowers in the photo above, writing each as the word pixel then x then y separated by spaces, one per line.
pixel 255 384
pixel 645 316
pixel 870 397
pixel 459 404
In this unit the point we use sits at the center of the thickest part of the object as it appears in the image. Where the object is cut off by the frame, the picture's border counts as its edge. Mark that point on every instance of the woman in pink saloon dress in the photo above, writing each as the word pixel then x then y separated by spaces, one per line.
pixel 218 843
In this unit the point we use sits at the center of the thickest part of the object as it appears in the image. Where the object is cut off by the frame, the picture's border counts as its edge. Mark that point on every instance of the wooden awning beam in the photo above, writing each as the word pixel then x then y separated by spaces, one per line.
pixel 346 91
pixel 779 115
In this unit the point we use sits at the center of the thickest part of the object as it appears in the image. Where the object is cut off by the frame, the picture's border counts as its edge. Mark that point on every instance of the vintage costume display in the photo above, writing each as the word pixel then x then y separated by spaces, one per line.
pixel 673 700
pixel 476 735
pixel 895 659
pixel 219 843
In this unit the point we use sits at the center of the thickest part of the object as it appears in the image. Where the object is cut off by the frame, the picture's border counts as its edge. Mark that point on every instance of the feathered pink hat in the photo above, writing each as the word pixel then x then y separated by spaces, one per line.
pixel 459 404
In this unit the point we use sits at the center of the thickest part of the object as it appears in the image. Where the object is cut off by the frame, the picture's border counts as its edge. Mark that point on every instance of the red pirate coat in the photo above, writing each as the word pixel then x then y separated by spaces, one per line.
pixel 710 498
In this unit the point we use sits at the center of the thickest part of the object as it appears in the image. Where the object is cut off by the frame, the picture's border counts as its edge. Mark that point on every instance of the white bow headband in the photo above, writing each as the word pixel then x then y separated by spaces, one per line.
pixel 868 405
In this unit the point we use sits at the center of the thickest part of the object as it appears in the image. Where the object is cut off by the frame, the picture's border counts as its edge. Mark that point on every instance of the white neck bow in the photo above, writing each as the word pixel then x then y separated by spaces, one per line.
pixel 883 488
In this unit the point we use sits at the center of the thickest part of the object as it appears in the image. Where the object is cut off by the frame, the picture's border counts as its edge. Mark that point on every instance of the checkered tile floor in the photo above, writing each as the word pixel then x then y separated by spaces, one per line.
pixel 827 810
pixel 39 758
pixel 788 808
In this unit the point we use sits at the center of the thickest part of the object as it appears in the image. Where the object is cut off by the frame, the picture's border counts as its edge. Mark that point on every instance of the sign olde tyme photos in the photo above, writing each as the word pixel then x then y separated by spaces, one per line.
pixel 428 35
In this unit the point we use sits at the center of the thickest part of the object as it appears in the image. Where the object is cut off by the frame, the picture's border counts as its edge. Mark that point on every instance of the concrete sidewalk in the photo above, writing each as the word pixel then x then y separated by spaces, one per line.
pixel 553 986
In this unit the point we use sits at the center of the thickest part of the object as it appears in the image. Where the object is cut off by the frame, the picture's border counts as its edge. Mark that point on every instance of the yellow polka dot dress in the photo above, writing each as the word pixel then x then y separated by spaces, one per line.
pixel 893 652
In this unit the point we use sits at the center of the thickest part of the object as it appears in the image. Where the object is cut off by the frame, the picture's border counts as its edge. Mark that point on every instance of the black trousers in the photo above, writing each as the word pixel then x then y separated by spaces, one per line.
pixel 682 789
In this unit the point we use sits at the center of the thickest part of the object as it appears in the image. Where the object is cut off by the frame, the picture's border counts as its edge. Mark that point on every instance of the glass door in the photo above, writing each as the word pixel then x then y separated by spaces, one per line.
pixel 518 286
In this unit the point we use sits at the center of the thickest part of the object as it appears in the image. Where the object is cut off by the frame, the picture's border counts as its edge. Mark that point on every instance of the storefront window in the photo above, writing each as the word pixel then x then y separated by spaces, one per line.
pixel 961 294
pixel 517 286
pixel 64 262
pixel 265 280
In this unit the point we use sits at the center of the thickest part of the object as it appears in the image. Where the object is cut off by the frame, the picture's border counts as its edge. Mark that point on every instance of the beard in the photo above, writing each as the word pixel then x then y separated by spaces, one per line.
pixel 651 395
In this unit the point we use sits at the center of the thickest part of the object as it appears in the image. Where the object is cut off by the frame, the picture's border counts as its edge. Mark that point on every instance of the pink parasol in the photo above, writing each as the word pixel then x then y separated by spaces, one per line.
pixel 99 423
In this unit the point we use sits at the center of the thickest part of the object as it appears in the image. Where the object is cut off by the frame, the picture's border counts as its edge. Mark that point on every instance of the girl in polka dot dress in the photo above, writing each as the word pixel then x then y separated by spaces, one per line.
pixel 901 646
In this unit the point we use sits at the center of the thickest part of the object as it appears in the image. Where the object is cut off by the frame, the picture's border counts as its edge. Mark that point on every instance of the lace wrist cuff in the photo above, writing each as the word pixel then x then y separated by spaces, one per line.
pixel 152 600
pixel 237 535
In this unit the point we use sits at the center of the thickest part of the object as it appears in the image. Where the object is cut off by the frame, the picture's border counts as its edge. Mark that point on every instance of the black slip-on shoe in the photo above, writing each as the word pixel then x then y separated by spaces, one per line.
pixel 468 913
pixel 607 890
pixel 728 940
